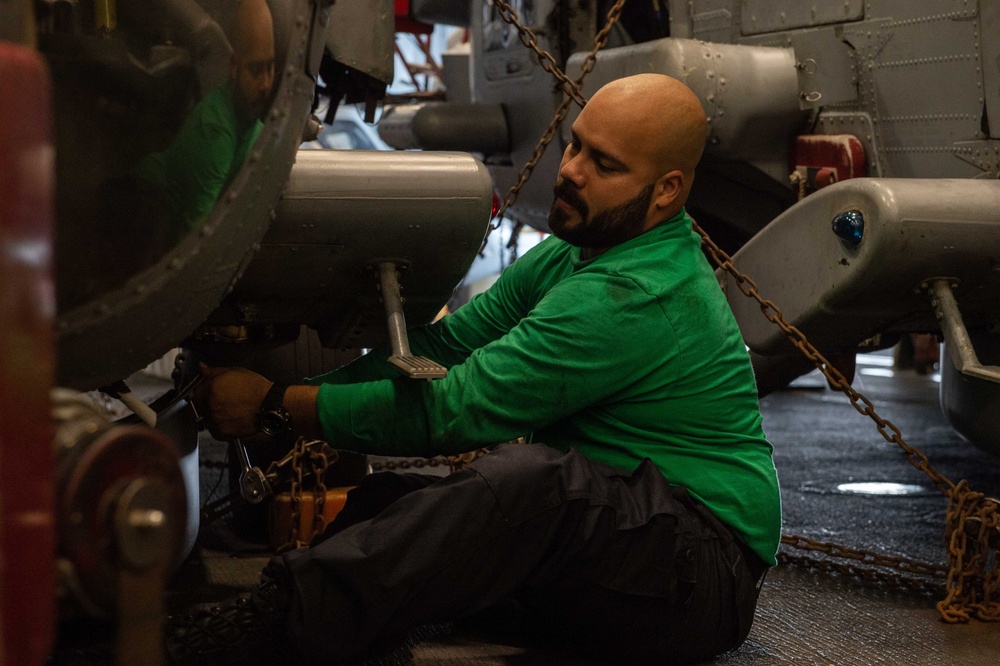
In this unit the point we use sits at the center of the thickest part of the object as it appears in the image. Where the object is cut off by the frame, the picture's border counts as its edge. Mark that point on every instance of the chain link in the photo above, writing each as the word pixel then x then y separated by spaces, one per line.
pixel 974 576
pixel 453 463
pixel 545 59
pixel 924 585
pixel 308 458
pixel 571 94
pixel 312 458
pixel 903 564
pixel 867 566
pixel 408 464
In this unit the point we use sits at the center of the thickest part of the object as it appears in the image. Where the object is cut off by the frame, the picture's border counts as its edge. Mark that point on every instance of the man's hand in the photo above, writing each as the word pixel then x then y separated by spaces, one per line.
pixel 228 399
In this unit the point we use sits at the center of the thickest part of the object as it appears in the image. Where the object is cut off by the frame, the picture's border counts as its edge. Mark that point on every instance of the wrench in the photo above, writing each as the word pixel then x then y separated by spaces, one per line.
pixel 253 484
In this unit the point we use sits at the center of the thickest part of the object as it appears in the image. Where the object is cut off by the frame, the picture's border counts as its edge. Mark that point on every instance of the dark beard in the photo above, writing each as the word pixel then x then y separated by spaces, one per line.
pixel 606 229
pixel 248 116
pixel 248 112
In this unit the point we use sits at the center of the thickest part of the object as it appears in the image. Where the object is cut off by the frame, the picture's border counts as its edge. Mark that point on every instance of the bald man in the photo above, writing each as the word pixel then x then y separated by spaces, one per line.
pixel 606 162
pixel 217 135
pixel 639 519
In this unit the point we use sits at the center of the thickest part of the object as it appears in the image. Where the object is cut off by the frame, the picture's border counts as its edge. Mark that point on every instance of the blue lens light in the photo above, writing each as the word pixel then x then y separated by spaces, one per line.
pixel 850 227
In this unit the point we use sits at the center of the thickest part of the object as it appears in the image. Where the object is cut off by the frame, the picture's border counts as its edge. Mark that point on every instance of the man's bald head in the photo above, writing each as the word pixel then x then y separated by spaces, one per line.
pixel 658 116
pixel 253 29
pixel 631 161
pixel 252 65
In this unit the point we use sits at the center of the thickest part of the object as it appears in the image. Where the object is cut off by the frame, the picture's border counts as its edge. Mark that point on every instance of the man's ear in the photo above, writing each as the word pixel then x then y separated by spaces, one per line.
pixel 668 189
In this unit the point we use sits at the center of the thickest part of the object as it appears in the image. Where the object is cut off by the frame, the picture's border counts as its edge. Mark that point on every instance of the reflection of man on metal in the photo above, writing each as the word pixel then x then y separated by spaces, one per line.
pixel 636 525
pixel 213 143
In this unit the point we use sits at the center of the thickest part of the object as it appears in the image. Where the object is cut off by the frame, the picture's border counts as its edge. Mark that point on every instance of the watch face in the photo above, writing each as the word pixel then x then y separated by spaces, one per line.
pixel 273 423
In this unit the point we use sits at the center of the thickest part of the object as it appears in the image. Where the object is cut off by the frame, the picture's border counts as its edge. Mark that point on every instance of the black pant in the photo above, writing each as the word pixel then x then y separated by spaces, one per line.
pixel 620 566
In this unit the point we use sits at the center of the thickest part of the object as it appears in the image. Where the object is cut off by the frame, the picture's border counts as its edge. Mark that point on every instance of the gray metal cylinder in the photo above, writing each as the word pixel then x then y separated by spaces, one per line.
pixel 345 212
pixel 474 128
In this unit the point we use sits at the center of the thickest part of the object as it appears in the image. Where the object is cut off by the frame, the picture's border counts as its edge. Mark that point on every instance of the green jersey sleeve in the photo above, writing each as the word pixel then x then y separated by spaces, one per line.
pixel 548 365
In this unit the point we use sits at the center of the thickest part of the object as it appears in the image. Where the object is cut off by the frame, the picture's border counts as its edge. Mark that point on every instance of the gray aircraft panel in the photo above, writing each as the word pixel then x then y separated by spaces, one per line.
pixel 989 24
pixel 918 78
pixel 914 13
pixel 714 20
pixel 824 64
pixel 984 155
pixel 769 16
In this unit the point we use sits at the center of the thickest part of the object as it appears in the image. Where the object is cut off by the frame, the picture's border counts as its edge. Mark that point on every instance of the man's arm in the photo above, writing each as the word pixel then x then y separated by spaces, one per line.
pixel 229 399
pixel 575 349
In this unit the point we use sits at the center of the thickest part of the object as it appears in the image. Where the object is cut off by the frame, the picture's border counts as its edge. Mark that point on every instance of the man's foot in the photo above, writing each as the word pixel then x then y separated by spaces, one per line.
pixel 244 630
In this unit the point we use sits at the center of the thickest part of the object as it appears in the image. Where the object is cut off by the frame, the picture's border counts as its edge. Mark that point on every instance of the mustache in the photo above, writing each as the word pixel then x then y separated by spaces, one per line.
pixel 568 192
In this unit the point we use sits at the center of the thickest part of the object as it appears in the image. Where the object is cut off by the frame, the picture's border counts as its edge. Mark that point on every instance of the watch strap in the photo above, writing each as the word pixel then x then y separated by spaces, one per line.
pixel 272 417
pixel 274 398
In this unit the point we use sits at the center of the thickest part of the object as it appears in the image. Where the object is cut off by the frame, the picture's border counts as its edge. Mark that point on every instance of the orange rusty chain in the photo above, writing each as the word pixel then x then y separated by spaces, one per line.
pixel 318 456
pixel 972 581
pixel 932 582
pixel 453 463
pixel 904 564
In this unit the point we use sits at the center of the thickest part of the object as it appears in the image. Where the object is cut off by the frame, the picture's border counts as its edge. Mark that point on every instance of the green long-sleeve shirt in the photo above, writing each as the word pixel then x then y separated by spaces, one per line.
pixel 202 159
pixel 630 355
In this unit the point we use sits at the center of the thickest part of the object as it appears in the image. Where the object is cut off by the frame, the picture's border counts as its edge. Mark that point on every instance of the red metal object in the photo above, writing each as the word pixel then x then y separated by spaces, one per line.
pixel 27 360
pixel 406 24
pixel 828 158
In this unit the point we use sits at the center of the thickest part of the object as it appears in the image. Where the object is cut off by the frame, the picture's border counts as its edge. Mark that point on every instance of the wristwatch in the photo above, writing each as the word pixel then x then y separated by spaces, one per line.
pixel 272 417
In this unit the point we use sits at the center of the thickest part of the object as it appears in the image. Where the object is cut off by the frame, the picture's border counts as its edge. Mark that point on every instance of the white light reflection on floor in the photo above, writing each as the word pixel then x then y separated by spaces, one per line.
pixel 878 365
pixel 877 372
pixel 881 488
pixel 875 359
